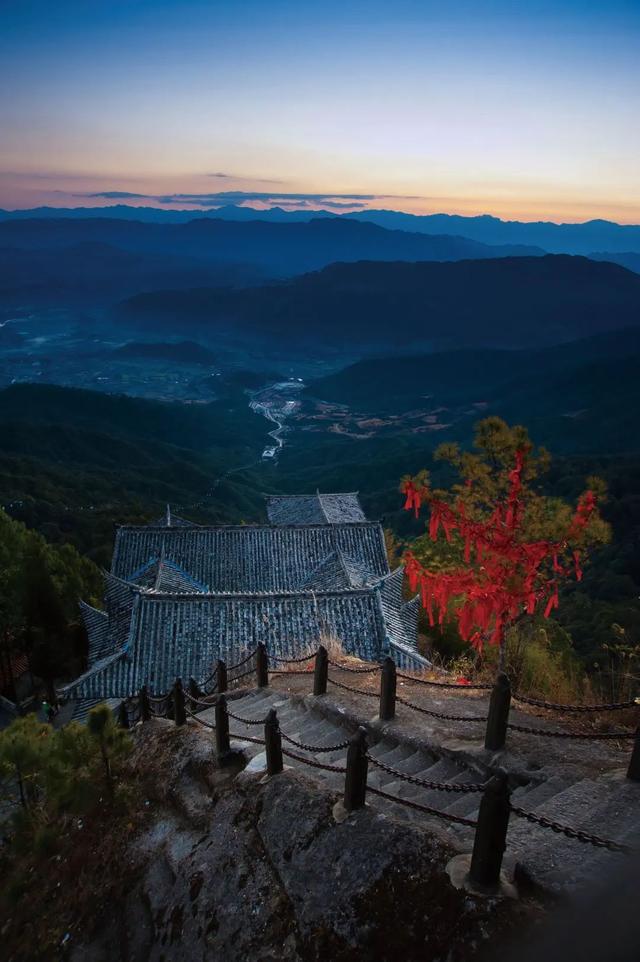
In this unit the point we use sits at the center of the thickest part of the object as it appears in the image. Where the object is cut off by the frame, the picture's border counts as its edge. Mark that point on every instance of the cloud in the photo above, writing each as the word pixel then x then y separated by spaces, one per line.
pixel 115 195
pixel 220 198
pixel 256 180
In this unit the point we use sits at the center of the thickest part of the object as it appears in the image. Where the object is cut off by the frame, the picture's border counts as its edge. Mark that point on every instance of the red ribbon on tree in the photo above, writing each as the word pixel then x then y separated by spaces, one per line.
pixel 510 576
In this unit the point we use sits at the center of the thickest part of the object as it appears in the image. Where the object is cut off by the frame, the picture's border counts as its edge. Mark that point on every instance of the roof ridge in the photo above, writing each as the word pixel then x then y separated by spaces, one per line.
pixel 95 669
pixel 160 560
pixel 223 595
pixel 251 527
pixel 327 494
pixel 322 507
pixel 98 611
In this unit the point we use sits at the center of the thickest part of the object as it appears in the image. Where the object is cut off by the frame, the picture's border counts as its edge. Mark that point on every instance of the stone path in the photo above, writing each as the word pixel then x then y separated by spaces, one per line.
pixel 587 791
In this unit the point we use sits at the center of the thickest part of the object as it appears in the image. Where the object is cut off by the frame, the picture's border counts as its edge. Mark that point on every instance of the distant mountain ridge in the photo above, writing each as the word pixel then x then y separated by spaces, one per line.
pixel 98 272
pixel 280 249
pixel 581 238
pixel 523 302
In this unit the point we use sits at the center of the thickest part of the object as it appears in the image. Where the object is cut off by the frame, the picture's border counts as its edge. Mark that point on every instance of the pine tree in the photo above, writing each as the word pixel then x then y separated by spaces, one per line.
pixel 24 746
pixel 112 742
pixel 508 546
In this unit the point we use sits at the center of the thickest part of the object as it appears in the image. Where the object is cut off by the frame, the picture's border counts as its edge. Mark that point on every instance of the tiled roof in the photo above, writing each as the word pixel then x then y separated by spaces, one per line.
pixel 183 636
pixel 401 616
pixel 164 575
pixel 315 509
pixel 179 597
pixel 338 573
pixel 240 558
pixel 97 624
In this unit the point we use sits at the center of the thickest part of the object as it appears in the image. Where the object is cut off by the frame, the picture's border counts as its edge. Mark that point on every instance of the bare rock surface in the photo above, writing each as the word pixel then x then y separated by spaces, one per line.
pixel 250 869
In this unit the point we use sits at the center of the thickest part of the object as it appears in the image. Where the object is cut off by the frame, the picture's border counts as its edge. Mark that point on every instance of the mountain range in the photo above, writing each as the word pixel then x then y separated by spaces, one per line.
pixel 282 250
pixel 585 238
pixel 522 302
pixel 580 397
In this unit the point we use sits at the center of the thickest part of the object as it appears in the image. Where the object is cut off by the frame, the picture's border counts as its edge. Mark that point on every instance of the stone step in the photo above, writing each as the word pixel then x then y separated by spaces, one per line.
pixel 310 727
pixel 532 795
pixel 396 755
pixel 411 765
pixel 607 806
pixel 550 858
pixel 466 804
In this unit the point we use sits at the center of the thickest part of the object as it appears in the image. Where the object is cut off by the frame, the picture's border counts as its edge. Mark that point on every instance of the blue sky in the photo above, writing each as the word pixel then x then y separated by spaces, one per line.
pixel 524 110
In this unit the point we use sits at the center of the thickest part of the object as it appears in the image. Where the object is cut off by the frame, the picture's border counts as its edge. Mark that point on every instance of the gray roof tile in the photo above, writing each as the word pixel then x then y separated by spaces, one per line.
pixel 315 509
pixel 249 557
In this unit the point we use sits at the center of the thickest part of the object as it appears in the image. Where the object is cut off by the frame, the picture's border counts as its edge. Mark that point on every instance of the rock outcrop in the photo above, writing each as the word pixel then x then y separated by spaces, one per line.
pixel 232 866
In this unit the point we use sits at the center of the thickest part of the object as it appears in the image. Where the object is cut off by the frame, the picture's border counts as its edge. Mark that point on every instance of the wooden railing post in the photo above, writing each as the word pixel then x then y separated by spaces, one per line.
pixel 179 713
pixel 123 714
pixel 355 782
pixel 221 676
pixel 633 772
pixel 145 706
pixel 496 732
pixel 194 689
pixel 491 832
pixel 321 671
pixel 223 745
pixel 262 666
pixel 388 690
pixel 273 743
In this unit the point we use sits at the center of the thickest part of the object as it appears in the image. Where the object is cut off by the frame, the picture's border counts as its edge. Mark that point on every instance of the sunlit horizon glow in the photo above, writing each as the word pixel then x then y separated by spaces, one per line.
pixel 526 112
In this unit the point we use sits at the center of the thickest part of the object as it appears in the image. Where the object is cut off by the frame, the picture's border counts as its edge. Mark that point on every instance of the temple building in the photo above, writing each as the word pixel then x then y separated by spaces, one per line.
pixel 180 596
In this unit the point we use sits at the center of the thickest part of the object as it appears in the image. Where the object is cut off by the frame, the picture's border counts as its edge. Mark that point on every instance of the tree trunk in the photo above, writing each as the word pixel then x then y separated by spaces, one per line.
pixel 23 800
pixel 107 767
pixel 502 652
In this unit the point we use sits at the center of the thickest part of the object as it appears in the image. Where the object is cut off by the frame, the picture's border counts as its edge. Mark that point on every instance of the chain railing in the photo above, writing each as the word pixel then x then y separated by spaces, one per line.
pixel 496 720
pixel 453 787
pixel 578 834
pixel 459 686
pixel 492 823
pixel 555 706
pixel 354 671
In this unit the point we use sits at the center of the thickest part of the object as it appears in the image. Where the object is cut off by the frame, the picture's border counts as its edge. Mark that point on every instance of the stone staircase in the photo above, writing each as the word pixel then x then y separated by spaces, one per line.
pixel 606 805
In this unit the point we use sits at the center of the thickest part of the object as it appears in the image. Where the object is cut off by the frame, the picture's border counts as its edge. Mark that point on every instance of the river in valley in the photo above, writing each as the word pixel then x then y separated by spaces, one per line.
pixel 277 402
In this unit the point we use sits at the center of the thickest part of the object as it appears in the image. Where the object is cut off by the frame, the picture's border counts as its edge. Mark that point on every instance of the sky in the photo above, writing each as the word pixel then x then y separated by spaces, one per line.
pixel 526 110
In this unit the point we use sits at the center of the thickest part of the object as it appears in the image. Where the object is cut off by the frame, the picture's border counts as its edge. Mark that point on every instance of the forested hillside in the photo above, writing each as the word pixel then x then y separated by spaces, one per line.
pixel 514 302
pixel 73 463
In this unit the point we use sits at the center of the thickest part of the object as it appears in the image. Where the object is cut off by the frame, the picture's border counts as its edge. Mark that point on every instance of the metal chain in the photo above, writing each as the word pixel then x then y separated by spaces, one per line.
pixel 246 721
pixel 358 691
pixel 314 748
pixel 422 783
pixel 291 661
pixel 555 706
pixel 437 714
pixel 313 763
pixel 578 834
pixel 243 674
pixel 447 816
pixel 247 738
pixel 243 661
pixel 354 671
pixel 211 678
pixel 444 684
pixel 159 698
pixel 199 702
pixel 600 736
pixel 200 721
pixel 293 671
